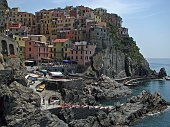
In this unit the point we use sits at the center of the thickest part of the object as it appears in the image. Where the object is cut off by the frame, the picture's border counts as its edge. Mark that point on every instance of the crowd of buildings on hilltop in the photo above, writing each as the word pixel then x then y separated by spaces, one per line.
pixel 71 33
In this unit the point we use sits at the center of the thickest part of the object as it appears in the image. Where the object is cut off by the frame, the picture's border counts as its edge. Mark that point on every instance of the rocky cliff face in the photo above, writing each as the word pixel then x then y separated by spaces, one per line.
pixel 20 107
pixel 116 64
pixel 4 4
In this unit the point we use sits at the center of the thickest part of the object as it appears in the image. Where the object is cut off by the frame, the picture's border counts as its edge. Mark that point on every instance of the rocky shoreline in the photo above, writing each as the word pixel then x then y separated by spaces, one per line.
pixel 124 114
pixel 20 106
pixel 91 91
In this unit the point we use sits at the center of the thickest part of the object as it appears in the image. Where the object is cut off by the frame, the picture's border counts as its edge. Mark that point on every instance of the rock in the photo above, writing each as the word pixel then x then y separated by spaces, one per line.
pixel 1 67
pixel 107 88
pixel 103 119
pixel 1 62
pixel 20 106
pixel 123 115
pixel 67 115
pixel 162 73
pixel 115 64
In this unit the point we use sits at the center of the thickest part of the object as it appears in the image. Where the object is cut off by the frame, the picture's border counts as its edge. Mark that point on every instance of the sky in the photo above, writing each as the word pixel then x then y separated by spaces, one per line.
pixel 148 21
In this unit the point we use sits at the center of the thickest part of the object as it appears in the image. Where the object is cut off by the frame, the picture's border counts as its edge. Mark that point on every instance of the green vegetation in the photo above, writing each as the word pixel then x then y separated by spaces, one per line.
pixel 125 44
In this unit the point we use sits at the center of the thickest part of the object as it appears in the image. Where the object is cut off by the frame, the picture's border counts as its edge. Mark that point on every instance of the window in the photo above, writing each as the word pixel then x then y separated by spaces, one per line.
pixel 29 55
pixel 29 49
pixel 76 57
pixel 81 57
pixel 81 52
pixel 86 52
pixel 90 52
pixel 76 52
pixel 71 57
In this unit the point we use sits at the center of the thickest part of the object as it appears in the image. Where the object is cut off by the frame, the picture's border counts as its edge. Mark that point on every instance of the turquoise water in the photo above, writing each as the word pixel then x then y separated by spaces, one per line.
pixel 159 120
pixel 162 119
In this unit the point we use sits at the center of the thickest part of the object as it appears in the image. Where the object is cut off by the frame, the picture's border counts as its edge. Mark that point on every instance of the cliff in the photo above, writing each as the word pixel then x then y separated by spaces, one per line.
pixel 118 58
pixel 116 64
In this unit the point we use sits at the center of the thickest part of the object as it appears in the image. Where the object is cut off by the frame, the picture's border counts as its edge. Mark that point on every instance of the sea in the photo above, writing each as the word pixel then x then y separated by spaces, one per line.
pixel 161 119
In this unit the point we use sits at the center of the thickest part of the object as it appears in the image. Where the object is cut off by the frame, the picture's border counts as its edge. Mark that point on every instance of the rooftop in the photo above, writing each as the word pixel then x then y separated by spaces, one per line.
pixel 60 40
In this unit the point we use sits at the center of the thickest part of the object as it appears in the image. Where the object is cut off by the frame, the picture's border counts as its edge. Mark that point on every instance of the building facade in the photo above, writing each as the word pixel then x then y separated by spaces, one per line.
pixel 61 48
pixel 36 50
pixel 81 52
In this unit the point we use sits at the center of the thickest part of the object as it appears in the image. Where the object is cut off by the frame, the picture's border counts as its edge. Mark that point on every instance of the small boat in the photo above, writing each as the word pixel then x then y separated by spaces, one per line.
pixel 167 77
pixel 56 74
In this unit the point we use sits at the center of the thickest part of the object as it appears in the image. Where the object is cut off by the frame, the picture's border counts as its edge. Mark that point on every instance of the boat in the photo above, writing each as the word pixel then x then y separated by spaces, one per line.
pixel 56 74
pixel 40 88
pixel 167 77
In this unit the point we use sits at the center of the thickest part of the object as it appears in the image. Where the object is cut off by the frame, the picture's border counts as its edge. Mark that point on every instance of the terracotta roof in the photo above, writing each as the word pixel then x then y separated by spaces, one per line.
pixel 15 25
pixel 60 40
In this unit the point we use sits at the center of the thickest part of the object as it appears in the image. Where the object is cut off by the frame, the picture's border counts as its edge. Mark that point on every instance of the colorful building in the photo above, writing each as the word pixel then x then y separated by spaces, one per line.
pixel 17 29
pixel 60 48
pixel 36 50
pixel 81 52
pixel 40 38
pixel 21 45
pixel 51 52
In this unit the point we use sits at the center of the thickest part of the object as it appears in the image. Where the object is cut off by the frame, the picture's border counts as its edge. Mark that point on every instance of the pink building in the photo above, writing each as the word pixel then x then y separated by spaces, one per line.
pixel 36 50
pixel 81 52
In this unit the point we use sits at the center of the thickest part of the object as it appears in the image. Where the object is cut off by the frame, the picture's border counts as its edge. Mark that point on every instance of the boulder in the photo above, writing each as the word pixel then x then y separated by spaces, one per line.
pixel 67 115
pixel 162 73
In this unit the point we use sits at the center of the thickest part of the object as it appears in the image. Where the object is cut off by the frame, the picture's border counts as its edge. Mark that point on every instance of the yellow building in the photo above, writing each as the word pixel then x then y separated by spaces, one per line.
pixel 97 18
pixel 49 22
pixel 45 24
pixel 21 45
pixel 60 48
pixel 27 19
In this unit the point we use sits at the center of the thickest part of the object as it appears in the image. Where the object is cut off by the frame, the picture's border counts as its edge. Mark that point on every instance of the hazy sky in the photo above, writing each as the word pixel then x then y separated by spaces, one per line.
pixel 148 20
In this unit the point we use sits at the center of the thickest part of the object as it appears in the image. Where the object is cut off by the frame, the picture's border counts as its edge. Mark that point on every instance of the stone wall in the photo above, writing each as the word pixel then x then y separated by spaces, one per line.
pixel 7 46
